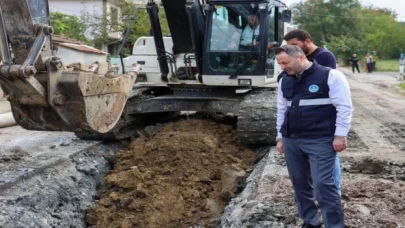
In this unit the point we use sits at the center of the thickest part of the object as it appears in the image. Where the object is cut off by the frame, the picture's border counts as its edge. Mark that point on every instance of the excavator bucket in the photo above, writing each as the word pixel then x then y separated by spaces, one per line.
pixel 42 94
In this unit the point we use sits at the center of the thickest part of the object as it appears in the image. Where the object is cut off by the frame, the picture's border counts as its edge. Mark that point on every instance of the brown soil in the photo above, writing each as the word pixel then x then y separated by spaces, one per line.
pixel 372 202
pixel 367 202
pixel 183 174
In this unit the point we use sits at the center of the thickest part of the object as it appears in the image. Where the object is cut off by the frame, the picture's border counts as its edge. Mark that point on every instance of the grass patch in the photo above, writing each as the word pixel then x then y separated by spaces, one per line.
pixel 402 85
pixel 382 65
pixel 391 65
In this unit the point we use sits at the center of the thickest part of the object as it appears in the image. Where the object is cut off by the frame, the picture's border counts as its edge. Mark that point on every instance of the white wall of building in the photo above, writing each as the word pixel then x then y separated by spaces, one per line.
pixel 76 7
pixel 69 56
pixel 80 8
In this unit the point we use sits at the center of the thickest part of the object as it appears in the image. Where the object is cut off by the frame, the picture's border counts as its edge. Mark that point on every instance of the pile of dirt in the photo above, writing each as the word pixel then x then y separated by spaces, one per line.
pixel 181 175
pixel 372 202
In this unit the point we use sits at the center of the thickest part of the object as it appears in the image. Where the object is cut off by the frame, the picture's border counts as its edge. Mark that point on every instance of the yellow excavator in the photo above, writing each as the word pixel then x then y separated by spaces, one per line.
pixel 217 62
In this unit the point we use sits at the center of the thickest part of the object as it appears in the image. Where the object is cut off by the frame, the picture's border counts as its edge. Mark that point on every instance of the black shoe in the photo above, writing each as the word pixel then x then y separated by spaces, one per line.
pixel 306 225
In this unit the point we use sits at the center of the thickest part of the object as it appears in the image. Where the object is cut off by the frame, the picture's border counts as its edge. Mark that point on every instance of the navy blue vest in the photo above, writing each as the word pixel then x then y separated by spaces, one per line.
pixel 310 114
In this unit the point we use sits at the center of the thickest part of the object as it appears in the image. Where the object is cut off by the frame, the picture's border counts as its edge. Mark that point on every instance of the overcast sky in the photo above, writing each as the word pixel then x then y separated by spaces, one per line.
pixel 397 5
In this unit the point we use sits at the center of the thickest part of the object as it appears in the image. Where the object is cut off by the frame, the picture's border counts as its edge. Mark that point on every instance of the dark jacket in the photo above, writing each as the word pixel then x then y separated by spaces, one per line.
pixel 323 57
pixel 310 114
pixel 354 61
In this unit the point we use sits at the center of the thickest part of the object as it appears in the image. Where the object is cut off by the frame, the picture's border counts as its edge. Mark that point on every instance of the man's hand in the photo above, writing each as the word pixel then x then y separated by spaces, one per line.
pixel 280 147
pixel 252 44
pixel 232 45
pixel 339 143
pixel 235 36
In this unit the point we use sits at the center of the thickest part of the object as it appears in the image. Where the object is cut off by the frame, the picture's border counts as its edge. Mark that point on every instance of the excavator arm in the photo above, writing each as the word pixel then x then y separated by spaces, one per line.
pixel 42 94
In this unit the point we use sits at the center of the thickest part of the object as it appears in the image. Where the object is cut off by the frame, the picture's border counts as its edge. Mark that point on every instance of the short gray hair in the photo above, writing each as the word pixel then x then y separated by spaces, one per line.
pixel 291 50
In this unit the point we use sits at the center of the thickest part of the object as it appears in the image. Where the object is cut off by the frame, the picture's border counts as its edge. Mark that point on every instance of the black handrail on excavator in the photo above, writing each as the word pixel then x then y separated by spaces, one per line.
pixel 125 39
pixel 153 11
pixel 5 54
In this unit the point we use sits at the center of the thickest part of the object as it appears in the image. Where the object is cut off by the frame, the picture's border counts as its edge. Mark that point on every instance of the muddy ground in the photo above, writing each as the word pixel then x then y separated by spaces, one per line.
pixel 183 174
pixel 193 173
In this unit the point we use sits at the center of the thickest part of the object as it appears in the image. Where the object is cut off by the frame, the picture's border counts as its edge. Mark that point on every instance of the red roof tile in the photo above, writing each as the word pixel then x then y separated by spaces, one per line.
pixel 56 39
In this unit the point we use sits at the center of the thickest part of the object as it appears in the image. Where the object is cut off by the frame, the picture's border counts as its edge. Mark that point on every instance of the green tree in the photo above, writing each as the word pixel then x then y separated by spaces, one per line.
pixel 344 46
pixel 383 33
pixel 103 24
pixel 141 25
pixel 68 26
pixel 347 28
pixel 327 19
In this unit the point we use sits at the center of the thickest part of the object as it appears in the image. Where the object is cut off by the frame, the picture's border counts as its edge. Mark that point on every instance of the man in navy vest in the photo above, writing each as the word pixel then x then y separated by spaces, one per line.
pixel 314 110
pixel 303 39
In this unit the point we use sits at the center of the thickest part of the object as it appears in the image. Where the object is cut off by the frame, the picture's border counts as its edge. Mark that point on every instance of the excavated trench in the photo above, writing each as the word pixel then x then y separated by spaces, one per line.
pixel 174 175
pixel 180 175
pixel 190 173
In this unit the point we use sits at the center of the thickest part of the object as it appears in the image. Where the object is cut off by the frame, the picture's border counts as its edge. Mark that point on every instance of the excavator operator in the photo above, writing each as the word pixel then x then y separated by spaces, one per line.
pixel 250 33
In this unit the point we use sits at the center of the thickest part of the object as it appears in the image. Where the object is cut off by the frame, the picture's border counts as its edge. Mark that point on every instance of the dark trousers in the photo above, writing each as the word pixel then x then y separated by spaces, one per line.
pixel 357 67
pixel 311 164
pixel 370 67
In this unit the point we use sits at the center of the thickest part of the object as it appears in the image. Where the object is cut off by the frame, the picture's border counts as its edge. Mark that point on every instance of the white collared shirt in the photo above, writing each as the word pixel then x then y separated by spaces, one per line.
pixel 247 35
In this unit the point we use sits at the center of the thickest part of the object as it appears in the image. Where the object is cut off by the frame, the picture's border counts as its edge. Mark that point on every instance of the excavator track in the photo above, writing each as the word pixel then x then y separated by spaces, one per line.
pixel 257 117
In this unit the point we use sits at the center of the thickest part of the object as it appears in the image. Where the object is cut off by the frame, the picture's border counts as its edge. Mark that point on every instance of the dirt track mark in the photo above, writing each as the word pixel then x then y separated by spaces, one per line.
pixel 378 119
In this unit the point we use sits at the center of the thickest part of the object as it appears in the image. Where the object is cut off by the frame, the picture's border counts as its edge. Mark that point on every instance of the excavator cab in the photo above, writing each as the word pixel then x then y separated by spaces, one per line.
pixel 236 39
pixel 232 40
pixel 240 36
pixel 43 95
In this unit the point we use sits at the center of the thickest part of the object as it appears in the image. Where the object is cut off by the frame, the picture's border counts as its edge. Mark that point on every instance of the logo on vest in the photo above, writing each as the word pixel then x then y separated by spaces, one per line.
pixel 313 88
